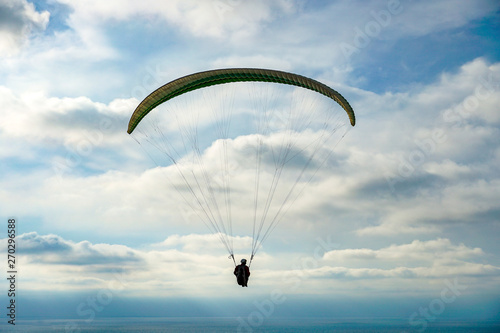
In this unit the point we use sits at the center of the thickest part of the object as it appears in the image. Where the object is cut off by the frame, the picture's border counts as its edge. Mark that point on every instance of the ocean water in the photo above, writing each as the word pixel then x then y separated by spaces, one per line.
pixel 221 325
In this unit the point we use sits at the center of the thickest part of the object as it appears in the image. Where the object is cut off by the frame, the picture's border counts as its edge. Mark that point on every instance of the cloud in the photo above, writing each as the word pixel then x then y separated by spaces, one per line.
pixel 434 16
pixel 103 38
pixel 62 135
pixel 51 262
pixel 416 268
pixel 392 20
pixel 35 117
pixel 36 244
pixel 200 18
pixel 435 272
pixel 414 253
pixel 196 243
pixel 193 265
pixel 52 249
pixel 18 20
pixel 423 169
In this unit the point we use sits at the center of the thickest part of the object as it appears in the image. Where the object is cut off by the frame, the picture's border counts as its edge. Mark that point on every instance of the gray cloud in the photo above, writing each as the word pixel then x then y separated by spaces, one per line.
pixel 50 249
pixel 32 243
pixel 18 18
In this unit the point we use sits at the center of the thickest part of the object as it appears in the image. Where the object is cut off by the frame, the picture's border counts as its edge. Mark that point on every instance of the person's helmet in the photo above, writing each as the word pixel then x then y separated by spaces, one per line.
pixel 243 261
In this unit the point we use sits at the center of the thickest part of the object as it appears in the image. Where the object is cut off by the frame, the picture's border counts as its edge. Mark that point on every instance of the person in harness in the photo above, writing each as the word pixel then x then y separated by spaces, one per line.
pixel 242 273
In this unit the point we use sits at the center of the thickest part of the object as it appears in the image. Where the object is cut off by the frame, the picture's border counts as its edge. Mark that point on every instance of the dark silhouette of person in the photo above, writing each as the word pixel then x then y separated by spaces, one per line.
pixel 242 273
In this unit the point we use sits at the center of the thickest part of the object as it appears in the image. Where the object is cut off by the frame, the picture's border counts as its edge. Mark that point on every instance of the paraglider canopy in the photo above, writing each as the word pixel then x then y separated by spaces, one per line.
pixel 220 76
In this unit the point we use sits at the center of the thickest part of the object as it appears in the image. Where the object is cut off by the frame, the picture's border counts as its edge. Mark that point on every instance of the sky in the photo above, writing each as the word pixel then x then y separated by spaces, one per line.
pixel 407 219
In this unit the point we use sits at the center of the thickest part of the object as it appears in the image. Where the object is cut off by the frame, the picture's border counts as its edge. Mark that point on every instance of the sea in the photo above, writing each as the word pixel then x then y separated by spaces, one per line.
pixel 221 325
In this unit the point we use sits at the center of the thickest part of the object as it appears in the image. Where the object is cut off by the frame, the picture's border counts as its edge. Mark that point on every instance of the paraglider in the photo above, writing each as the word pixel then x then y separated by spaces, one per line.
pixel 241 141
pixel 242 273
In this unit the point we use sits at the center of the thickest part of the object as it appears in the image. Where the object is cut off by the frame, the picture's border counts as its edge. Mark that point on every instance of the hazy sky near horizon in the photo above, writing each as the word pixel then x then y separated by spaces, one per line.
pixel 412 204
